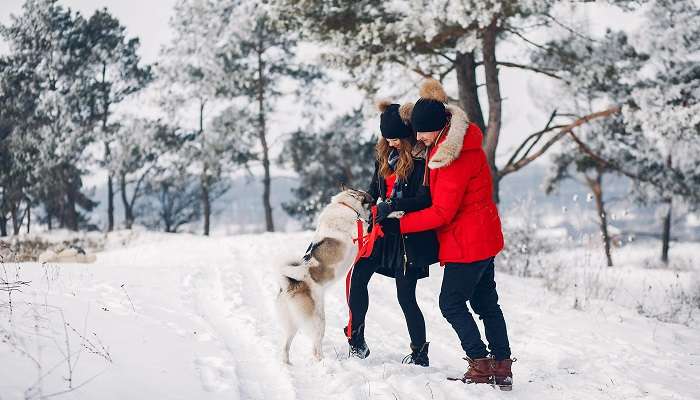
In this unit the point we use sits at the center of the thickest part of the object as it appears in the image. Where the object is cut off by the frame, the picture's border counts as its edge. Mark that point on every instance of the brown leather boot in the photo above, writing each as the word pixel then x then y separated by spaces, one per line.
pixel 503 376
pixel 480 371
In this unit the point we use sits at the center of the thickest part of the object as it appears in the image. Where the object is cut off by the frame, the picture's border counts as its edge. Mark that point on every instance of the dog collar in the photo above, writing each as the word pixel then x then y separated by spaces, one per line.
pixel 348 206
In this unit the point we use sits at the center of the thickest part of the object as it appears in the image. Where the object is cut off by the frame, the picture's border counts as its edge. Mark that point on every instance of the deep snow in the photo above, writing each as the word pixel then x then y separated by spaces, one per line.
pixel 194 319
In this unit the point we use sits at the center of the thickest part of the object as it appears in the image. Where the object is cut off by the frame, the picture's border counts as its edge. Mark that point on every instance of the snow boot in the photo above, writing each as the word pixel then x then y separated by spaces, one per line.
pixel 503 375
pixel 418 356
pixel 358 346
pixel 480 371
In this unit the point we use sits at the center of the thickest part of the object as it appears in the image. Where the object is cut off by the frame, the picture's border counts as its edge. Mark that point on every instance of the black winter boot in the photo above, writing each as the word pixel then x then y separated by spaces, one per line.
pixel 358 346
pixel 418 356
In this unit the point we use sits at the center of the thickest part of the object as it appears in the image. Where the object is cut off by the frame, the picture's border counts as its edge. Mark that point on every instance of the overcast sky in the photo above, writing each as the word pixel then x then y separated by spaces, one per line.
pixel 147 19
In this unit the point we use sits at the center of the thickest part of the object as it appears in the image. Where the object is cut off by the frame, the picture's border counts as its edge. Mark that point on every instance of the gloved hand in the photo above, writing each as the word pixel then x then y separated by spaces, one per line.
pixel 383 210
pixel 390 226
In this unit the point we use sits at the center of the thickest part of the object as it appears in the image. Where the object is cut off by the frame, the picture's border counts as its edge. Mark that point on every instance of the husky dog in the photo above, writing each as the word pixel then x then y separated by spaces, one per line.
pixel 330 254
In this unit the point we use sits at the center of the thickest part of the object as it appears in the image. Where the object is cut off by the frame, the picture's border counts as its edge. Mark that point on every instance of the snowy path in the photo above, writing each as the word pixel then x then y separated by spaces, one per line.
pixel 202 325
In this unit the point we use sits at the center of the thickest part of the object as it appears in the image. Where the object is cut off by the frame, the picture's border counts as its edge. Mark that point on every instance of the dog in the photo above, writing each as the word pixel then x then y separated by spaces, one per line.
pixel 300 302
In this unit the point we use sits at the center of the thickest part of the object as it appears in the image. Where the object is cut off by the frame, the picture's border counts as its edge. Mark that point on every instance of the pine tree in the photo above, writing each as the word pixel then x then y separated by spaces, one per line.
pixel 572 163
pixel 258 60
pixel 134 158
pixel 664 111
pixel 190 76
pixel 48 47
pixel 116 72
pixel 439 39
pixel 661 134
pixel 326 159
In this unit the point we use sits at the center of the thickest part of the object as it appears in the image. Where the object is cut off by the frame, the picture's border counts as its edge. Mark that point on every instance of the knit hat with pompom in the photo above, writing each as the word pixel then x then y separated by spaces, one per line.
pixel 391 124
pixel 429 112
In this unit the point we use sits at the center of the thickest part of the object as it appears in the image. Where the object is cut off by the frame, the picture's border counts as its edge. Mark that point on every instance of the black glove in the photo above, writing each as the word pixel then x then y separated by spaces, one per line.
pixel 383 210
pixel 390 225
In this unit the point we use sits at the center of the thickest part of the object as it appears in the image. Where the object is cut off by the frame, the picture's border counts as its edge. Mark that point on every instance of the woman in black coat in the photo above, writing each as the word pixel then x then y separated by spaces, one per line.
pixel 398 184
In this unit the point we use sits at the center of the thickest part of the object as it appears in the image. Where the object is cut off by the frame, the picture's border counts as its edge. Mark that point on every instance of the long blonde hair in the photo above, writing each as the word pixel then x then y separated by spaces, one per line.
pixel 404 166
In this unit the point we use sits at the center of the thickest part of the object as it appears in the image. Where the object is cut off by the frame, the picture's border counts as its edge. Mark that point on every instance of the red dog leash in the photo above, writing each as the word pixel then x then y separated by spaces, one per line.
pixel 365 245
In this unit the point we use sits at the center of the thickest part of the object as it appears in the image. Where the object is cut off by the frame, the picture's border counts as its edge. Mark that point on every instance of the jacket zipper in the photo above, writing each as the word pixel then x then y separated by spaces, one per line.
pixel 405 257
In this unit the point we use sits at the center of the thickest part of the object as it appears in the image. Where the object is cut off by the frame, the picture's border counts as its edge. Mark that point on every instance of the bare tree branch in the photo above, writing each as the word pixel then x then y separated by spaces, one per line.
pixel 518 34
pixel 530 68
pixel 566 27
pixel 563 132
pixel 537 136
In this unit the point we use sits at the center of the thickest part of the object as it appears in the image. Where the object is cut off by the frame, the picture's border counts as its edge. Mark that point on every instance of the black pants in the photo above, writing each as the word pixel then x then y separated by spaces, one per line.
pixel 405 292
pixel 474 282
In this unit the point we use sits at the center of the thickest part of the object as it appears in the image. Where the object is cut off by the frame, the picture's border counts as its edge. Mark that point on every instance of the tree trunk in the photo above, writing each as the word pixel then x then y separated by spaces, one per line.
pixel 465 68
pixel 110 188
pixel 110 194
pixel 493 91
pixel 49 219
pixel 666 234
pixel 206 204
pixel 596 186
pixel 128 211
pixel 29 217
pixel 16 223
pixel 3 223
pixel 70 214
pixel 269 224
pixel 204 179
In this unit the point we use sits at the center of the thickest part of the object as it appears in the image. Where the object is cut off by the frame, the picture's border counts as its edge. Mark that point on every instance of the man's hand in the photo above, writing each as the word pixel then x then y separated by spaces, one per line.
pixel 390 225
pixel 383 210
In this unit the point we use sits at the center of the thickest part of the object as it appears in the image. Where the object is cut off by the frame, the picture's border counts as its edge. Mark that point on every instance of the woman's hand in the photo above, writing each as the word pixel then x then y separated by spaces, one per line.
pixel 383 210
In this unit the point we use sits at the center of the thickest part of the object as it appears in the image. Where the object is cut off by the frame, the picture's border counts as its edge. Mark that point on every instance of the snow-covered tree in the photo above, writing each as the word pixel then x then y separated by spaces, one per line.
pixel 134 154
pixel 259 59
pixel 445 39
pixel 326 159
pixel 664 109
pixel 569 162
pixel 48 47
pixel 656 83
pixel 190 79
pixel 116 73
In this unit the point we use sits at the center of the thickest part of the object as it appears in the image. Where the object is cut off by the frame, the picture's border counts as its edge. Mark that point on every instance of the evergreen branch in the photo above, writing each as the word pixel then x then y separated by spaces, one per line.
pixel 684 189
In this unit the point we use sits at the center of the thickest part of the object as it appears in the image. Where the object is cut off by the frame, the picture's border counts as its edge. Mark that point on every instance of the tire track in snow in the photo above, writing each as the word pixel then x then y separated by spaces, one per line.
pixel 220 298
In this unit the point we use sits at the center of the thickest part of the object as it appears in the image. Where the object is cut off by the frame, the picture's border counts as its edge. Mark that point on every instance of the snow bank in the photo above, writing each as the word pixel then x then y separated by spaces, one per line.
pixel 163 316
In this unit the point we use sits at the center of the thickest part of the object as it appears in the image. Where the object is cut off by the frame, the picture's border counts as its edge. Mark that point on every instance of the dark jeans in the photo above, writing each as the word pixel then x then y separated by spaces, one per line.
pixel 405 292
pixel 474 282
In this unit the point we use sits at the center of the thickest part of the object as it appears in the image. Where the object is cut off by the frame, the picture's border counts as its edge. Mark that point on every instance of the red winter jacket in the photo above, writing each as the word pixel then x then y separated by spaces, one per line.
pixel 463 211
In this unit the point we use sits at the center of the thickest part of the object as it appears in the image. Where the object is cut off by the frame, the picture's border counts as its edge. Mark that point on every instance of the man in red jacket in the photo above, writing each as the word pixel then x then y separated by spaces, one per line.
pixel 469 232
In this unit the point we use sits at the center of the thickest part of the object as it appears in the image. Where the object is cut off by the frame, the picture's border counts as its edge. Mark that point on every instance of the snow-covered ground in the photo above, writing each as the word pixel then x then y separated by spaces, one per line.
pixel 163 316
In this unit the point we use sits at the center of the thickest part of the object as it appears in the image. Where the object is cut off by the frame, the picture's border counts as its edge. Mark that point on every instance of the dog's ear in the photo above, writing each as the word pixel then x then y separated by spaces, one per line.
pixel 367 198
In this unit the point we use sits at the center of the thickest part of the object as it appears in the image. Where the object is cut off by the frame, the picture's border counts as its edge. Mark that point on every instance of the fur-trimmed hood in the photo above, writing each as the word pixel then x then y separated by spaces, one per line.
pixel 454 143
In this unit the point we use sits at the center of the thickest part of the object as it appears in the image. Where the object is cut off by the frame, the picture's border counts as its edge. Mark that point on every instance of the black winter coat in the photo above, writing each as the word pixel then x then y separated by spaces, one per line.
pixel 412 253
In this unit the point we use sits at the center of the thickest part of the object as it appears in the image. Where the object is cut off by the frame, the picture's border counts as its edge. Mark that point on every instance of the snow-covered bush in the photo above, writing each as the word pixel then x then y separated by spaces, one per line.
pixel 525 251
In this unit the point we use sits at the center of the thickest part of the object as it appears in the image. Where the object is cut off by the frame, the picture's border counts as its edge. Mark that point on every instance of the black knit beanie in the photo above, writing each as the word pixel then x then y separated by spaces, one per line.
pixel 428 115
pixel 391 124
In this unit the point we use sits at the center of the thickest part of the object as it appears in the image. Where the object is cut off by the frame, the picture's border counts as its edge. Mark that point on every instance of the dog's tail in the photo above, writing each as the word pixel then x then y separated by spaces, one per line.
pixel 295 272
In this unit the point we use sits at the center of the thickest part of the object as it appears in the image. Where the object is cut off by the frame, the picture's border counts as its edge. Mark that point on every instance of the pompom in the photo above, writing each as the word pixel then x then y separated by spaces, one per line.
pixel 405 112
pixel 433 90
pixel 382 105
